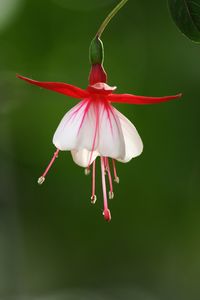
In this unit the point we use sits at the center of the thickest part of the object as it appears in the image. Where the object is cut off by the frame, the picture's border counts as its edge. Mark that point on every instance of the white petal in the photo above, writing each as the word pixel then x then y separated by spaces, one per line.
pixel 95 128
pixel 91 126
pixel 76 129
pixel 111 141
pixel 133 142
pixel 84 158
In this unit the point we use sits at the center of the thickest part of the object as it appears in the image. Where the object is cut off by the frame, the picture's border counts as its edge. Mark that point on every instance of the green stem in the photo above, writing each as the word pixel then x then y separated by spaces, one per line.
pixel 109 17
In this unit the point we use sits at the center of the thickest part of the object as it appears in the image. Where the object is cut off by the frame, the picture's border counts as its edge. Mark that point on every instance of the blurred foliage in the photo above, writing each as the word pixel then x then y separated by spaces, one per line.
pixel 53 244
pixel 186 15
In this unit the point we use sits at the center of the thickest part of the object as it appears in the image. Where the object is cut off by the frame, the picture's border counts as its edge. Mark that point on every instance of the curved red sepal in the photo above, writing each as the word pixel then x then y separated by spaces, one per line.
pixel 59 87
pixel 133 99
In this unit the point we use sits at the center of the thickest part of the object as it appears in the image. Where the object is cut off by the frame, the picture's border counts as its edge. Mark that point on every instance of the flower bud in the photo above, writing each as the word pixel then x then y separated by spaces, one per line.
pixel 96 52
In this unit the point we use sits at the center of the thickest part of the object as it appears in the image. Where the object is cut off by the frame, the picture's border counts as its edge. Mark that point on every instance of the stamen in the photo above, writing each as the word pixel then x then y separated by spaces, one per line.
pixel 106 212
pixel 93 197
pixel 105 165
pixel 87 171
pixel 115 172
pixel 111 193
pixel 42 178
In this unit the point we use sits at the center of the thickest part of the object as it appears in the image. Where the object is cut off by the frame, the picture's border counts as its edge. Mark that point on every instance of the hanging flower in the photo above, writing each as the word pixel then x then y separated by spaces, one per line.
pixel 94 127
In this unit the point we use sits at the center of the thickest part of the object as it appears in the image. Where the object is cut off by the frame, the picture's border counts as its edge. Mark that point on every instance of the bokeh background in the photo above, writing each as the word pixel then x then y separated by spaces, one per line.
pixel 53 244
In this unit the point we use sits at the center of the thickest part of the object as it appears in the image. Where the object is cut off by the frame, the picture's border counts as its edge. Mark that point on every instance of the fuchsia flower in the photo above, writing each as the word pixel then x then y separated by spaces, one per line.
pixel 94 128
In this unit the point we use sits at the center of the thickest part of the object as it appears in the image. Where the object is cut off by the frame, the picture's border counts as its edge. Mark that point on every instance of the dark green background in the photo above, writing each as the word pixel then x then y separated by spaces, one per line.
pixel 53 243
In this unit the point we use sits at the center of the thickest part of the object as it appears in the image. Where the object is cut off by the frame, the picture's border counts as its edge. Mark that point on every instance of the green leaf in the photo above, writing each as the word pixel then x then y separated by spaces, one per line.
pixel 186 15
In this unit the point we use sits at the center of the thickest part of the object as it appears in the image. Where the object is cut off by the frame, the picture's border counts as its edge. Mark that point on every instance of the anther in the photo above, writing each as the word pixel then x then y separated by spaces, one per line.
pixel 93 199
pixel 87 171
pixel 41 180
pixel 116 179
pixel 111 195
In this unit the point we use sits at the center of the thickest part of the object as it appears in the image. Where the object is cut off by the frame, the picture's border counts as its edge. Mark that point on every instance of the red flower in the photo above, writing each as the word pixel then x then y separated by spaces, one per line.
pixel 95 128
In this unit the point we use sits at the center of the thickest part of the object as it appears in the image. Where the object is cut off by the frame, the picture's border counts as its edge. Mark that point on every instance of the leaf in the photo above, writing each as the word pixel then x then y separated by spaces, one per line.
pixel 186 15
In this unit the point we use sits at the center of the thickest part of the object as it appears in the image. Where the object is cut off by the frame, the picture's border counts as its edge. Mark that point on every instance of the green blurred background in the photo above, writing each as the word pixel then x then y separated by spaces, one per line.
pixel 53 244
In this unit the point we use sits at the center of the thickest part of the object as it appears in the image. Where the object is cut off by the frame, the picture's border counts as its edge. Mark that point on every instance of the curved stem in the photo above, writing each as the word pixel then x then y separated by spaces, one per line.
pixel 109 17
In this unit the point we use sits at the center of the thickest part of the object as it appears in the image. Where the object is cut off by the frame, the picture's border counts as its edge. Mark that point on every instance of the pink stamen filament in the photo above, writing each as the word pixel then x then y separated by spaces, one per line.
pixel 93 197
pixel 105 164
pixel 115 171
pixel 42 178
pixel 106 211
pixel 111 193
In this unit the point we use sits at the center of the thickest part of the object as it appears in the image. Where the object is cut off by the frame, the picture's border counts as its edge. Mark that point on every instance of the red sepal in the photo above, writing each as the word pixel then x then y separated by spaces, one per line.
pixel 59 87
pixel 133 99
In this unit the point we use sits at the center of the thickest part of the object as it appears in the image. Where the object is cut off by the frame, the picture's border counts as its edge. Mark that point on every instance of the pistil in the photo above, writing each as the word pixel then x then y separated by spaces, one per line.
pixel 106 211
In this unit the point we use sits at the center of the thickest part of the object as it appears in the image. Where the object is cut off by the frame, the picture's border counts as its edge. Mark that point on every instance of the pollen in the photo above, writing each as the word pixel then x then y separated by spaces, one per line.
pixel 111 195
pixel 87 171
pixel 93 199
pixel 41 180
pixel 116 179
